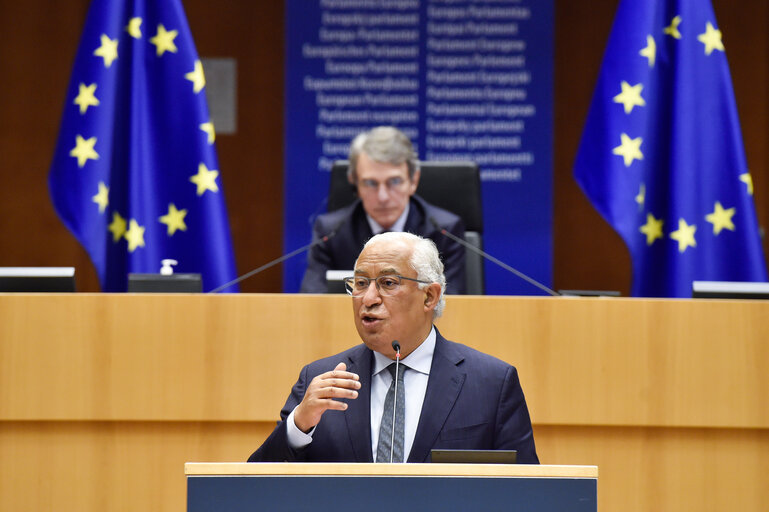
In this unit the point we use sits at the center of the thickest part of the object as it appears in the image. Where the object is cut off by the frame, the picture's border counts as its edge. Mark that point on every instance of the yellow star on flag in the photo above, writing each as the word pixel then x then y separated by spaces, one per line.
pixel 672 29
pixel 747 179
pixel 711 38
pixel 650 51
pixel 85 97
pixel 630 96
pixel 205 179
pixel 720 218
pixel 117 226
pixel 629 149
pixel 174 219
pixel 164 40
pixel 684 235
pixel 107 50
pixel 652 229
pixel 134 28
pixel 102 197
pixel 197 77
pixel 209 129
pixel 134 236
pixel 641 197
pixel 83 150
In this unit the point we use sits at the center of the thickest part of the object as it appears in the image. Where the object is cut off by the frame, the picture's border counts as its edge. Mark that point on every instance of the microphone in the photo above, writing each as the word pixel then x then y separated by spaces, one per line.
pixel 397 349
pixel 283 258
pixel 445 232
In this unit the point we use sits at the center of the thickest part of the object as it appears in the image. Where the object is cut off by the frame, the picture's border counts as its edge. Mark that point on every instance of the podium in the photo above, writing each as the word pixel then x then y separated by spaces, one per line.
pixel 240 487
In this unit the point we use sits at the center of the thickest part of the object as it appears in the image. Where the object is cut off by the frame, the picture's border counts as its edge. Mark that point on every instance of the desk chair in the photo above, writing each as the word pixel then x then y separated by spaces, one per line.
pixel 453 186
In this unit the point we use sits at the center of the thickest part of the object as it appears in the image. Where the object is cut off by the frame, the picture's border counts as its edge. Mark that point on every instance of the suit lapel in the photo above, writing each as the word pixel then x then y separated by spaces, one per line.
pixel 358 415
pixel 360 227
pixel 443 388
pixel 415 219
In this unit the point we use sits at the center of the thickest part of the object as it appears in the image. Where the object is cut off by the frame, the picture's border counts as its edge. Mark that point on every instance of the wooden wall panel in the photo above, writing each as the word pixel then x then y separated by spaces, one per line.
pixel 648 469
pixel 200 357
pixel 104 397
pixel 105 466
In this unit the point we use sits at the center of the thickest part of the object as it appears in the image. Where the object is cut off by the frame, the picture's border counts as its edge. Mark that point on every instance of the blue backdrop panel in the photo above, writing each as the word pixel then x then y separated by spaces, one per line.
pixel 464 80
pixel 381 494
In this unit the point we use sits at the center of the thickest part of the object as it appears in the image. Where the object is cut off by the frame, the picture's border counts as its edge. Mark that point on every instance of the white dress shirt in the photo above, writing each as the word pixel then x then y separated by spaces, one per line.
pixel 415 380
pixel 397 226
pixel 414 384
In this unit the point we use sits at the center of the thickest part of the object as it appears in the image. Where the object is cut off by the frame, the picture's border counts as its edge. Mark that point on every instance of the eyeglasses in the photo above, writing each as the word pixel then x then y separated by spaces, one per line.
pixel 386 285
pixel 390 184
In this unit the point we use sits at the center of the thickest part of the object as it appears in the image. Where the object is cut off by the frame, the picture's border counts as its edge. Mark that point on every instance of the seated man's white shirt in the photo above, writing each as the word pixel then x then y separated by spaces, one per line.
pixel 397 226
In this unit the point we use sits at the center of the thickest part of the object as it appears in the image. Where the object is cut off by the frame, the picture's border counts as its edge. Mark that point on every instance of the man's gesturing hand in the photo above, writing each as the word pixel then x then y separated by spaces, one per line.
pixel 321 393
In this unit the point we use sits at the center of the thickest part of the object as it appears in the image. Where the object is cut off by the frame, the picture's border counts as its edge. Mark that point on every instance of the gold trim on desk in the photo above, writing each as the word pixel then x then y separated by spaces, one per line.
pixel 351 469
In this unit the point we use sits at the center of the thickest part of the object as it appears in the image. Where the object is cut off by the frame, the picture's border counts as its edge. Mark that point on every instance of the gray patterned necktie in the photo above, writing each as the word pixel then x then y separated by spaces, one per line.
pixel 386 437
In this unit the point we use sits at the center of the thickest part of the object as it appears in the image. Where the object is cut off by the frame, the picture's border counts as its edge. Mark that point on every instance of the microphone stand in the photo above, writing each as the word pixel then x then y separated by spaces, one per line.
pixel 274 262
pixel 491 258
pixel 397 348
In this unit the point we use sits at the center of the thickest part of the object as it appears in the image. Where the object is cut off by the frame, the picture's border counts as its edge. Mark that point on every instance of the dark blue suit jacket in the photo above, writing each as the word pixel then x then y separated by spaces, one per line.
pixel 473 401
pixel 353 230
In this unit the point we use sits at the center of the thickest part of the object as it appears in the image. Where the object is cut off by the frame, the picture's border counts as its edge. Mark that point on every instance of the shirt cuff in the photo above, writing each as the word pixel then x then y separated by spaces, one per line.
pixel 296 438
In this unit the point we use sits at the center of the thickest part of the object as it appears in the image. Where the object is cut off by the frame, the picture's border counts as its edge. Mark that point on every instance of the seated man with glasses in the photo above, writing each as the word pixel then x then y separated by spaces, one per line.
pixel 385 173
pixel 359 406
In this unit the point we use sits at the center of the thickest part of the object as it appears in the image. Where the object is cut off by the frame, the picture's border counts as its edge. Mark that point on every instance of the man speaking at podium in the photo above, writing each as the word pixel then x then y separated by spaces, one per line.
pixel 359 406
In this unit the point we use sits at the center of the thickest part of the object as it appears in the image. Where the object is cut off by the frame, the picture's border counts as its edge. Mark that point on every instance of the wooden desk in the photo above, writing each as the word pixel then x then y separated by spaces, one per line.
pixel 104 397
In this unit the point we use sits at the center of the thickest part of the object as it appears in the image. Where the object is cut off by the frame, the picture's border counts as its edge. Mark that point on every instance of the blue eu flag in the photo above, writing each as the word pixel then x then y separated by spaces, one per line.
pixel 661 156
pixel 135 175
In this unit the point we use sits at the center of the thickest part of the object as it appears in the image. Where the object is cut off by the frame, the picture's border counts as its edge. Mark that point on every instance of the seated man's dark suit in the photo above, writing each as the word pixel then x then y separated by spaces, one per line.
pixel 353 230
pixel 473 401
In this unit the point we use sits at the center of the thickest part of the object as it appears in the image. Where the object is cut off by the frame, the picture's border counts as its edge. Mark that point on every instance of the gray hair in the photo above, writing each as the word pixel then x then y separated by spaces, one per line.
pixel 425 260
pixel 382 144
